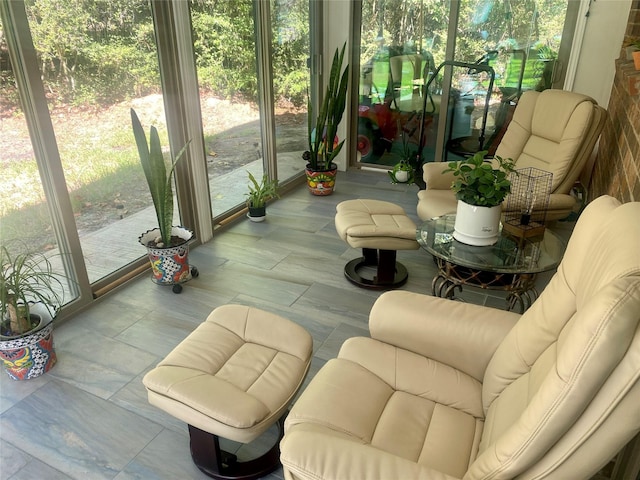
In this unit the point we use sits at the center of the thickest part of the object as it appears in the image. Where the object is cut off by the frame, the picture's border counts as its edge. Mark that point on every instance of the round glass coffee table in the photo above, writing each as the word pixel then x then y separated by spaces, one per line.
pixel 511 265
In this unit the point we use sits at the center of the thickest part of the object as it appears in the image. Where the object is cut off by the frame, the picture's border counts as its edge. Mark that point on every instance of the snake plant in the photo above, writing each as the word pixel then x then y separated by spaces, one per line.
pixel 322 149
pixel 159 177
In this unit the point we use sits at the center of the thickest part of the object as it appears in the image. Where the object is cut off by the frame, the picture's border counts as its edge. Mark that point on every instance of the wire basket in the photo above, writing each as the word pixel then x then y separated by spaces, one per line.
pixel 528 202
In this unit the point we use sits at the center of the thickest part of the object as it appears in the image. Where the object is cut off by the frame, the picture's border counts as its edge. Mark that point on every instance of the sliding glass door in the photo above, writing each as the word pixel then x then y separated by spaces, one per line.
pixel 441 79
pixel 512 47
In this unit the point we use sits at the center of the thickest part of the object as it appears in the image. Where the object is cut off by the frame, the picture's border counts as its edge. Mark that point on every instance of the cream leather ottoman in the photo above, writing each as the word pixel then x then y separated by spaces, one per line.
pixel 380 229
pixel 234 376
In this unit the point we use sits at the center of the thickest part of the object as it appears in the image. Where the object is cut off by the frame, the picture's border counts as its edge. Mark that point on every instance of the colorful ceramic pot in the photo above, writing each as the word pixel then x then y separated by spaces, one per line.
pixel 30 355
pixel 170 265
pixel 321 182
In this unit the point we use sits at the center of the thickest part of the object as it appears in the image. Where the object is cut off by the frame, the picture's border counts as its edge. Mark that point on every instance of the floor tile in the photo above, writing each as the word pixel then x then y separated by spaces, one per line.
pixel 75 432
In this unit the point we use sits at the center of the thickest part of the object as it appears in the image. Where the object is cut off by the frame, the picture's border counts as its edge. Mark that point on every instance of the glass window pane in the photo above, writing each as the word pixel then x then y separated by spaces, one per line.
pixel 520 42
pixel 25 222
pixel 290 50
pixel 403 42
pixel 98 61
pixel 224 44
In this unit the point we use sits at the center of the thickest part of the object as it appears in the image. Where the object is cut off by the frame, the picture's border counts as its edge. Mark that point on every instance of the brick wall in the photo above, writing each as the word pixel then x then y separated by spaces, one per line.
pixel 617 167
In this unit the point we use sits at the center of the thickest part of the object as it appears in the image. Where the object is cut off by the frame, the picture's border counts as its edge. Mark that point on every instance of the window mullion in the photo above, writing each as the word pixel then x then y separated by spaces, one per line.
pixel 265 86
pixel 182 107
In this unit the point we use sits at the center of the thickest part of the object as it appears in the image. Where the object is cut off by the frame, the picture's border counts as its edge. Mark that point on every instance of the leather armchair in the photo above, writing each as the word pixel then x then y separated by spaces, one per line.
pixel 553 130
pixel 448 390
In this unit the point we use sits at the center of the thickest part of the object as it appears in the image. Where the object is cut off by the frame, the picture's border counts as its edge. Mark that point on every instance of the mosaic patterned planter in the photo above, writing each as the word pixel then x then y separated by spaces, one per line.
pixel 170 265
pixel 30 355
pixel 321 183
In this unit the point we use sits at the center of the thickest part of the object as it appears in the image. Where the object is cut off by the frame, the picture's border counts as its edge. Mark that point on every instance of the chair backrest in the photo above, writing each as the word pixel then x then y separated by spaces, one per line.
pixel 562 392
pixel 405 68
pixel 555 131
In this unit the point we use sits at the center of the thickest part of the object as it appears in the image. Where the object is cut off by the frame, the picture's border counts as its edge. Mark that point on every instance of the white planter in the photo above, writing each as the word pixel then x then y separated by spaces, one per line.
pixel 475 225
pixel 402 176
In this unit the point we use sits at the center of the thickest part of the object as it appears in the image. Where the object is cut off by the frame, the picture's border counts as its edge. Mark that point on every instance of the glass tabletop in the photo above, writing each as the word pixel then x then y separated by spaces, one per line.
pixel 508 255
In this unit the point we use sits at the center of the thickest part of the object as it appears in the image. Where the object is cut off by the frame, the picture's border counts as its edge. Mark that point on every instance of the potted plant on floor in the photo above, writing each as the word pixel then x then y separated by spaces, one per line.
pixel 31 294
pixel 167 245
pixel 324 145
pixel 480 187
pixel 259 193
pixel 404 170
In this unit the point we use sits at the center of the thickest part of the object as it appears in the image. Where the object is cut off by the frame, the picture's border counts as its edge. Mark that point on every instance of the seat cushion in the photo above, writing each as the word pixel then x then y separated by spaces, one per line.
pixel 235 374
pixel 395 401
pixel 375 224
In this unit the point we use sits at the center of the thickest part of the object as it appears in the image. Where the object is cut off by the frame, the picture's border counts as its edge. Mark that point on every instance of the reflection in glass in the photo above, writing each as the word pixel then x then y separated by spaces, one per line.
pixel 403 43
pixel 290 50
pixel 96 65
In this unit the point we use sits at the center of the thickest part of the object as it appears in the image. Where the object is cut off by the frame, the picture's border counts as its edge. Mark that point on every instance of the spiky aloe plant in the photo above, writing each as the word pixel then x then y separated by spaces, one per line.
pixel 25 278
pixel 322 134
pixel 159 178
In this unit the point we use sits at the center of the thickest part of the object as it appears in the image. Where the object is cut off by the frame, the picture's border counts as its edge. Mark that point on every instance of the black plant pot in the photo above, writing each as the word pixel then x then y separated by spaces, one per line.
pixel 257 214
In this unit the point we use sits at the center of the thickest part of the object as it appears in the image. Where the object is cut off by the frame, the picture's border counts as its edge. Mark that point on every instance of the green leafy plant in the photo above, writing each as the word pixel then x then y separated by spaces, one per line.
pixel 260 192
pixel 478 183
pixel 26 278
pixel 321 135
pixel 407 162
pixel 159 177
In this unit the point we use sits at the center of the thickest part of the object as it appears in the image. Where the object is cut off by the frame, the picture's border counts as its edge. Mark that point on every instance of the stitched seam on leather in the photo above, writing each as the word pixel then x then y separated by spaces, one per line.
pixel 294 466
pixel 605 414
pixel 569 385
pixel 265 369
pixel 232 354
pixel 426 432
pixel 337 428
pixel 246 322
pixel 523 360
pixel 395 390
pixel 395 371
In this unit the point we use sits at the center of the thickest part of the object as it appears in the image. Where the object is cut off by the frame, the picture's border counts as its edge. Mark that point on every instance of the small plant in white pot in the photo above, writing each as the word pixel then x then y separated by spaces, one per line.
pixel 480 187
pixel 167 244
pixel 258 195
pixel 404 170
pixel 31 293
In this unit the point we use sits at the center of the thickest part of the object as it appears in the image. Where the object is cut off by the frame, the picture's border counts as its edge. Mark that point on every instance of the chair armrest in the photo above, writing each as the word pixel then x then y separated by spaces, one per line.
pixel 461 335
pixel 561 201
pixel 313 452
pixel 434 178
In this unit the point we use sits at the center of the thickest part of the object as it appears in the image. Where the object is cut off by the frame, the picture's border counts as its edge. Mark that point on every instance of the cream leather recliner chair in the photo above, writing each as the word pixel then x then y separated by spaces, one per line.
pixel 449 390
pixel 553 130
